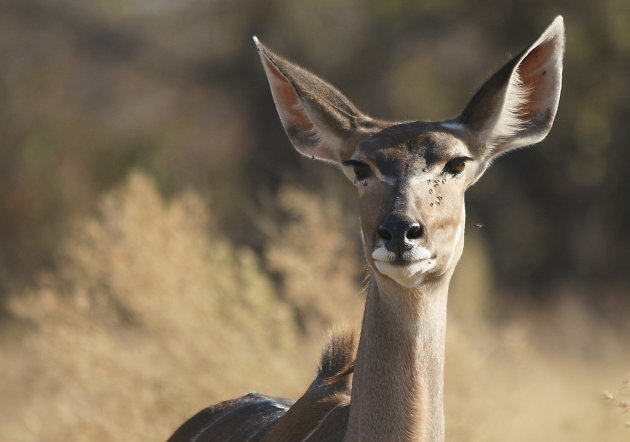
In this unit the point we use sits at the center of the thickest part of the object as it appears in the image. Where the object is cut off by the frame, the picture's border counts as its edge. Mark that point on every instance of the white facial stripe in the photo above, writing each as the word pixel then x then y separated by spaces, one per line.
pixel 390 180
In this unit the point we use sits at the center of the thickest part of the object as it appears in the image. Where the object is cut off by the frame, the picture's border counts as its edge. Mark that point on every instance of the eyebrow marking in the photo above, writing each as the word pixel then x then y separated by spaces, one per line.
pixel 387 179
pixel 352 162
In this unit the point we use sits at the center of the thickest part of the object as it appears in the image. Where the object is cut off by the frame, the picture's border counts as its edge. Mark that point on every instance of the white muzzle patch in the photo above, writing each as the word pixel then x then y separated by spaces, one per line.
pixel 417 263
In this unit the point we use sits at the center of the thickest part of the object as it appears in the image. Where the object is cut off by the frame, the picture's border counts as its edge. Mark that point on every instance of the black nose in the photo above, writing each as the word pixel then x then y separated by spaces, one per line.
pixel 398 234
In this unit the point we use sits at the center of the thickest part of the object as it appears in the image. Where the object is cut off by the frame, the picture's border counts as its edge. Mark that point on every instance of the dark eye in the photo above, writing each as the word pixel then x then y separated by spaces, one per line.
pixel 361 170
pixel 456 165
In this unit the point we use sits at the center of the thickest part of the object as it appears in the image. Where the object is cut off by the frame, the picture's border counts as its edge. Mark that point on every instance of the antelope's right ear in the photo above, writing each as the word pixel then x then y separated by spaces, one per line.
pixel 320 122
pixel 517 105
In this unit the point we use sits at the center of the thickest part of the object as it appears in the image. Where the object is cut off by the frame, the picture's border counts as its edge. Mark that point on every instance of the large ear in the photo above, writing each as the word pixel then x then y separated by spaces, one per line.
pixel 320 122
pixel 517 105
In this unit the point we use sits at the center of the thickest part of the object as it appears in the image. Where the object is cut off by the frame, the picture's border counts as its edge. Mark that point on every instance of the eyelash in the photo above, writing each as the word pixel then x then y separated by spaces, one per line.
pixel 455 166
pixel 361 170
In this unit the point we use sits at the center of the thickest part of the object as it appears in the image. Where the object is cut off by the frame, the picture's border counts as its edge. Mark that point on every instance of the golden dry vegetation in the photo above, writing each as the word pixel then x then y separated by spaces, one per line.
pixel 123 310
pixel 152 314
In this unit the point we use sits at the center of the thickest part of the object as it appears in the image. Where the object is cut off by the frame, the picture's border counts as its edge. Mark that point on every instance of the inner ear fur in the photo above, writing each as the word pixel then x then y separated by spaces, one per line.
pixel 318 119
pixel 517 105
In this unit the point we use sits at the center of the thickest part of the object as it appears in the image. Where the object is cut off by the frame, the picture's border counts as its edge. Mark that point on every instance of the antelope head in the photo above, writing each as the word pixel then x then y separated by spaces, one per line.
pixel 411 176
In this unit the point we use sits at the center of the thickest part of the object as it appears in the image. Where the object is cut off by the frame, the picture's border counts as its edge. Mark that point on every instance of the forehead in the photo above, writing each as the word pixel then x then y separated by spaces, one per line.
pixel 410 145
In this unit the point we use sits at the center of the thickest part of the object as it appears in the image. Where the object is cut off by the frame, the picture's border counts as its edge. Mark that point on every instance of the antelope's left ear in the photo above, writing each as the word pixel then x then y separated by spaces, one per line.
pixel 517 105
pixel 318 119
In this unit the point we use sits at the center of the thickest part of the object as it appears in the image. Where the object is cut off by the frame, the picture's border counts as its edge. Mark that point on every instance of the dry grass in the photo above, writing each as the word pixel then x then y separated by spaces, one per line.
pixel 134 331
pixel 318 262
pixel 152 314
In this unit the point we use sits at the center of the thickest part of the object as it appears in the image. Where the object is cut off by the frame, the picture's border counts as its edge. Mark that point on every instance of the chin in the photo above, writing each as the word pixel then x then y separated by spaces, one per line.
pixel 408 274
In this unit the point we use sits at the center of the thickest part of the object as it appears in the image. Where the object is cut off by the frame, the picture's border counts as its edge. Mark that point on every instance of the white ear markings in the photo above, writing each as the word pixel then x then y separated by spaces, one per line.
pixel 510 119
pixel 517 105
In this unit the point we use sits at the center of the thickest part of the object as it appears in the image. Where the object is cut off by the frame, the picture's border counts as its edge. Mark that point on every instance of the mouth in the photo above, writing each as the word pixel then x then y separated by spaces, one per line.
pixel 409 271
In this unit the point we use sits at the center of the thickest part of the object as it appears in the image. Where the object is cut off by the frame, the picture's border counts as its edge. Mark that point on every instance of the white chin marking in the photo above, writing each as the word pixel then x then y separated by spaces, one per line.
pixel 408 275
pixel 416 254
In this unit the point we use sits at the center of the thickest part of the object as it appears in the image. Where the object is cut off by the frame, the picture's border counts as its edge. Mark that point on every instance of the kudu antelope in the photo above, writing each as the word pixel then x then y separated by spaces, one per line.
pixel 411 178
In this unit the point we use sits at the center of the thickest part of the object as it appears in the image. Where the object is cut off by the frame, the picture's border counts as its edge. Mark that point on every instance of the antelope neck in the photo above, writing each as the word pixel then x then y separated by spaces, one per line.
pixel 398 380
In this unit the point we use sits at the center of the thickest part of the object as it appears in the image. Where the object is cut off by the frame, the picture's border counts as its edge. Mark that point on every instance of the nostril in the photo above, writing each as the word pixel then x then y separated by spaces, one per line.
pixel 414 232
pixel 384 233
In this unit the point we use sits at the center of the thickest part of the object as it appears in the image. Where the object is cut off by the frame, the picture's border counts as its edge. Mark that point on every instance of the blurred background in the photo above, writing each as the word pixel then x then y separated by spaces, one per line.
pixel 163 247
